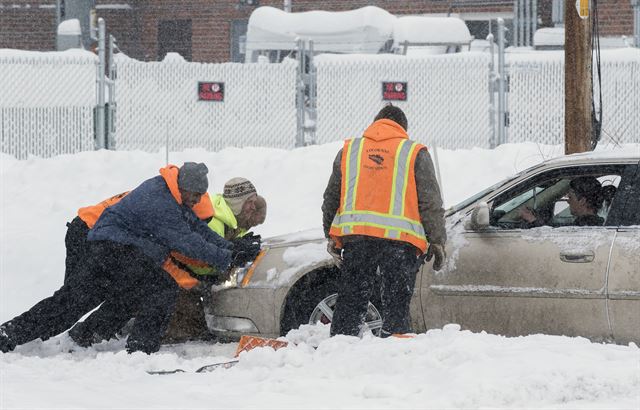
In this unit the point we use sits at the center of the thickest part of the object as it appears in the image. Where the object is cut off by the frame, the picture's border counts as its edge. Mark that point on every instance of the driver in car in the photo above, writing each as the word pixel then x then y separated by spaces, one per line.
pixel 585 197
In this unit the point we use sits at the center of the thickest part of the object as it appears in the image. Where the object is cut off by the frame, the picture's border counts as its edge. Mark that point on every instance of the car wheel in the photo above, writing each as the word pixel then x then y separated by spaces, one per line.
pixel 312 299
pixel 323 313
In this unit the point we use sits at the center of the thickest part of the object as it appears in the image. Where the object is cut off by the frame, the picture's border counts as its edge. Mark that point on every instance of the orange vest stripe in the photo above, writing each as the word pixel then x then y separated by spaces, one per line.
pixel 182 277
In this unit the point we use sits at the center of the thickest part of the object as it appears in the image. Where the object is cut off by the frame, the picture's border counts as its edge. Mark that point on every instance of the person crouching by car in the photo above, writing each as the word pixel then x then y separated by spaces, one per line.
pixel 236 211
pixel 231 216
pixel 128 246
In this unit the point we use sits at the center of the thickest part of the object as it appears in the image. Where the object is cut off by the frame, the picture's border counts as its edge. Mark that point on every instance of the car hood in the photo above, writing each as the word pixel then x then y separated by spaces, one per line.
pixel 294 238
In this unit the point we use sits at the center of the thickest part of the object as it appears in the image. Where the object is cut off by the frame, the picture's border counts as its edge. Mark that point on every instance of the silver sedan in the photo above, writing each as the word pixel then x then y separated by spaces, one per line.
pixel 502 276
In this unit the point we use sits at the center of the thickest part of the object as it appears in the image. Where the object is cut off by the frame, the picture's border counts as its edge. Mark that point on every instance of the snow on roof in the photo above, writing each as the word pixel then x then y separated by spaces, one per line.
pixel 364 30
pixel 422 29
pixel 70 27
pixel 549 36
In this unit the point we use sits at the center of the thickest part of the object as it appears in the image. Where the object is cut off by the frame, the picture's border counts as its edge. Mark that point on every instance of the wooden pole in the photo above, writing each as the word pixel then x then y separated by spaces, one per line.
pixel 578 128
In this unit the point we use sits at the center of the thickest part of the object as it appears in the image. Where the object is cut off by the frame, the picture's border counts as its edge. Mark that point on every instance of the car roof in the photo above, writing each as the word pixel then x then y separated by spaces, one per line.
pixel 620 155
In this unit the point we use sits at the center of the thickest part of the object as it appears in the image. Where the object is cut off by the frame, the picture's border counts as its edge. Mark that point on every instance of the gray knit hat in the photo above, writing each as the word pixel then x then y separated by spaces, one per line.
pixel 192 177
pixel 236 192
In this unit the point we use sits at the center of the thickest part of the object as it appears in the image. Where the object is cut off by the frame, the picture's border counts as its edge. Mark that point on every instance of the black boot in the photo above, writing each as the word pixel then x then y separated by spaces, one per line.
pixel 6 343
pixel 83 336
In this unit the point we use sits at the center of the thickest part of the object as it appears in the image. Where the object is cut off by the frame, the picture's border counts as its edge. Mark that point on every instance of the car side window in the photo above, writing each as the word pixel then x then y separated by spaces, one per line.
pixel 579 196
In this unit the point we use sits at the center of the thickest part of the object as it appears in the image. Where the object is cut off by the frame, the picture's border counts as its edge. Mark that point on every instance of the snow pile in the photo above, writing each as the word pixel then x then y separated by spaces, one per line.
pixel 422 29
pixel 442 368
pixel 69 27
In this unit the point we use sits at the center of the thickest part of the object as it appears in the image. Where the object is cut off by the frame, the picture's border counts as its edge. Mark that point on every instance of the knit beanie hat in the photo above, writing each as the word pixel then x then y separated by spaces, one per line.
pixel 236 192
pixel 192 177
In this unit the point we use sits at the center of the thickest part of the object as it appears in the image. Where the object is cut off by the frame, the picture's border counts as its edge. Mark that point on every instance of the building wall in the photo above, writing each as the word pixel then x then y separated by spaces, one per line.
pixel 616 17
pixel 30 24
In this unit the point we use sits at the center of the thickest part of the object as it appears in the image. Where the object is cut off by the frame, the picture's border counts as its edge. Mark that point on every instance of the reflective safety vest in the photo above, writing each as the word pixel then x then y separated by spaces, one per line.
pixel 379 196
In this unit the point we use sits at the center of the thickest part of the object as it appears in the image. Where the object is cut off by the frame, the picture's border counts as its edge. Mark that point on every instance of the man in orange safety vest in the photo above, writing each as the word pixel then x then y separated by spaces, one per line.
pixel 382 210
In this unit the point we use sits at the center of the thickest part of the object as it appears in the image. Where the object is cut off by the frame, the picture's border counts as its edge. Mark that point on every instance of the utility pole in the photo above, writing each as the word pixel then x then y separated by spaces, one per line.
pixel 578 127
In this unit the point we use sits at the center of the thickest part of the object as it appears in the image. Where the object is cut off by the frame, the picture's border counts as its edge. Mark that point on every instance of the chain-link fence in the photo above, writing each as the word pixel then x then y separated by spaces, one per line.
pixel 158 105
pixel 46 102
pixel 536 97
pixel 447 97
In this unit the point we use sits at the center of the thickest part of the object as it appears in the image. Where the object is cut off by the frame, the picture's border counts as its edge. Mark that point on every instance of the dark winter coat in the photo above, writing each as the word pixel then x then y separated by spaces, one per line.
pixel 151 219
pixel 429 198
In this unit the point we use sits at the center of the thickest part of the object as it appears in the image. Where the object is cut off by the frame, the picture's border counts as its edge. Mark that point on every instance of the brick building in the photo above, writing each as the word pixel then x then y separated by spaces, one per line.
pixel 210 30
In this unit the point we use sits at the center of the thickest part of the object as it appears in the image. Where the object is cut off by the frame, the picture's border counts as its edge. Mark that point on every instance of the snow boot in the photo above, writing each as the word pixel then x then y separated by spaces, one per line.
pixel 84 337
pixel 6 343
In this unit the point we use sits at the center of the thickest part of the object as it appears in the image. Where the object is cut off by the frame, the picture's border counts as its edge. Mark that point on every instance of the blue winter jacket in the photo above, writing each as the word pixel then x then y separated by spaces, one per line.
pixel 151 219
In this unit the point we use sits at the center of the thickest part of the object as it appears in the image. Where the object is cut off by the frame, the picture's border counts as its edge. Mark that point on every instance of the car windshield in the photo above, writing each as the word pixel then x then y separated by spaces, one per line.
pixel 479 195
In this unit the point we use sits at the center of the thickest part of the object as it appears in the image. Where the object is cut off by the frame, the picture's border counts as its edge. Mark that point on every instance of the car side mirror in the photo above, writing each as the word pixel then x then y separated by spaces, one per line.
pixel 479 218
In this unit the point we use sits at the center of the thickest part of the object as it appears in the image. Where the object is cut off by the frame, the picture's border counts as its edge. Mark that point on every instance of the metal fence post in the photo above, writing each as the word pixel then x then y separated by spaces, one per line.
pixel 635 5
pixel 111 107
pixel 514 24
pixel 310 119
pixel 501 85
pixel 527 23
pixel 520 22
pixel 492 90
pixel 300 95
pixel 534 22
pixel 100 81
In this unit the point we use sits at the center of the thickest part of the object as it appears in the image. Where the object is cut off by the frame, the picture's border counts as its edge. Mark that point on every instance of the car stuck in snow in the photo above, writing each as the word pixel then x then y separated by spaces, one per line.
pixel 502 276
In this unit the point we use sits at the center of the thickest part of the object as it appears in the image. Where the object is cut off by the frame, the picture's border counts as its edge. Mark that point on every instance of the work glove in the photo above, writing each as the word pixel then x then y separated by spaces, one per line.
pixel 437 251
pixel 244 251
pixel 335 253
pixel 252 238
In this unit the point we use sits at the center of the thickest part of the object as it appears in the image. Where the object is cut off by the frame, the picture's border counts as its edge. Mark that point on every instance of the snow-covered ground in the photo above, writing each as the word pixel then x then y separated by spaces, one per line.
pixel 444 368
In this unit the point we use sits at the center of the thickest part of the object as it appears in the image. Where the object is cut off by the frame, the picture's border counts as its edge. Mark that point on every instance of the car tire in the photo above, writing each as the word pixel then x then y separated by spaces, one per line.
pixel 308 293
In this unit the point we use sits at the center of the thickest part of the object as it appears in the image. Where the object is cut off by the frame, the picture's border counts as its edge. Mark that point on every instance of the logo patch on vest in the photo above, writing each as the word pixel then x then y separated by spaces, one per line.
pixel 376 158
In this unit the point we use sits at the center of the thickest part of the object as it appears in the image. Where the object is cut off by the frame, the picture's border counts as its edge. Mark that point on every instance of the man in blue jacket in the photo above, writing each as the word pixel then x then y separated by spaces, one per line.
pixel 127 248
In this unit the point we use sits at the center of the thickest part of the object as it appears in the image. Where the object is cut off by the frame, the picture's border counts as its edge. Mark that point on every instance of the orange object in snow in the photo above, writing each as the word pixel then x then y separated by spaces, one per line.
pixel 247 343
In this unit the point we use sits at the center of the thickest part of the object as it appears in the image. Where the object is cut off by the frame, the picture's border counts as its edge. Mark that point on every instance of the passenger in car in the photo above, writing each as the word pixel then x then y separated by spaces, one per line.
pixel 585 198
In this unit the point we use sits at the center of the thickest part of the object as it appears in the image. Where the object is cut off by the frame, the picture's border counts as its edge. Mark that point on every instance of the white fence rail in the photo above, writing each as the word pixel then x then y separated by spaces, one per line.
pixel 536 97
pixel 158 103
pixel 46 102
pixel 447 97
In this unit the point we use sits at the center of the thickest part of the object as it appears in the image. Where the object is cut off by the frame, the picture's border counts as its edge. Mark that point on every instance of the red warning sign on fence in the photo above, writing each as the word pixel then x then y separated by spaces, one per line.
pixel 210 91
pixel 394 91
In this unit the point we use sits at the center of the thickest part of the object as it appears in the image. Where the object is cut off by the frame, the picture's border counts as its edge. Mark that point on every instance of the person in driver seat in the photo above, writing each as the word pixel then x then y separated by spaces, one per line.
pixel 585 197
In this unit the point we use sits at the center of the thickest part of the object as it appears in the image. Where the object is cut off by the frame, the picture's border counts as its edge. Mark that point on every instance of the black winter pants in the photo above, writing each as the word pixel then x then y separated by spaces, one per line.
pixel 398 265
pixel 114 272
pixel 76 244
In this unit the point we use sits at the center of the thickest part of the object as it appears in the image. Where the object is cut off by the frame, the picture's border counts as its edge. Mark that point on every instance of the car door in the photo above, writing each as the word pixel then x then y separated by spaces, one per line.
pixel 623 279
pixel 512 280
